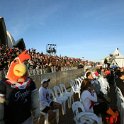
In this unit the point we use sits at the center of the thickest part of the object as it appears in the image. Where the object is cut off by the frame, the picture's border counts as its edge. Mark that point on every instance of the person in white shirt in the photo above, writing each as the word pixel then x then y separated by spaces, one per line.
pixel 105 88
pixel 90 102
pixel 47 105
pixel 88 95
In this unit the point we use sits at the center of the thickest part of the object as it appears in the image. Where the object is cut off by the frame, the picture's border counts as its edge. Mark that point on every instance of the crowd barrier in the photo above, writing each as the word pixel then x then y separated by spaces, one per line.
pixel 56 77
pixel 120 103
pixel 46 70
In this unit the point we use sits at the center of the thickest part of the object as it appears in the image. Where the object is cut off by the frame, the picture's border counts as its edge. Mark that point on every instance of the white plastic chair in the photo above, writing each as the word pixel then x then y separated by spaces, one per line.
pixel 60 98
pixel 67 93
pixel 75 87
pixel 52 95
pixel 75 109
pixel 80 79
pixel 83 117
pixel 78 82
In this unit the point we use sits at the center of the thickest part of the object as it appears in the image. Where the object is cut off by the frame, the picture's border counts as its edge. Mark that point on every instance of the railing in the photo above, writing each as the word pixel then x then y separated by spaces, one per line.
pixel 45 70
pixel 120 104
pixel 39 71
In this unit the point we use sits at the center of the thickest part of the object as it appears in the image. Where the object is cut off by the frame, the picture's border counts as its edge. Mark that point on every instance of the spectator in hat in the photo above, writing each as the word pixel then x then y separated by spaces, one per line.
pixel 47 105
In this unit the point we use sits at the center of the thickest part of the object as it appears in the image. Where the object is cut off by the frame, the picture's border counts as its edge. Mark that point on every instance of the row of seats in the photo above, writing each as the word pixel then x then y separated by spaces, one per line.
pixel 60 94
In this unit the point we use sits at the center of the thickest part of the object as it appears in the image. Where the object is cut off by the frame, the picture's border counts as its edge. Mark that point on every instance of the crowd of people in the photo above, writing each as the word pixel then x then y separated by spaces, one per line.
pixel 94 94
pixel 40 60
pixel 94 86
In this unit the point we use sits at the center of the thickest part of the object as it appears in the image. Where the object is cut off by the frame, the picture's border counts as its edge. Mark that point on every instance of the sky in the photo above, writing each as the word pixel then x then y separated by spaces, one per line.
pixel 86 29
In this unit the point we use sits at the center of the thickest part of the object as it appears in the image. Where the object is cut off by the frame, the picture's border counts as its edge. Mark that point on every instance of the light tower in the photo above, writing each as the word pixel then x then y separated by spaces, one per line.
pixel 51 49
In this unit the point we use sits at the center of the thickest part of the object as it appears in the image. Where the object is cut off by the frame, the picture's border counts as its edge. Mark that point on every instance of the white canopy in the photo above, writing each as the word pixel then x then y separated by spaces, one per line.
pixel 118 58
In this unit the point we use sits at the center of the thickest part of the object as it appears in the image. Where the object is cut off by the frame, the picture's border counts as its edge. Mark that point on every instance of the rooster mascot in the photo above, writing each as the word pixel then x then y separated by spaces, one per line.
pixel 19 103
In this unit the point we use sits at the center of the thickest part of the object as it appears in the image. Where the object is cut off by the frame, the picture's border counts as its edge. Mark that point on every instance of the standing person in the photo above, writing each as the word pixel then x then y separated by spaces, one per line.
pixel 18 94
pixel 94 82
pixel 97 87
pixel 90 102
pixel 47 105
pixel 105 88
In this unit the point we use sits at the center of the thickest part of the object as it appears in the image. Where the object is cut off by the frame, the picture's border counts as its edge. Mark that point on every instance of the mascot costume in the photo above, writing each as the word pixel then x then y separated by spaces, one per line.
pixel 19 102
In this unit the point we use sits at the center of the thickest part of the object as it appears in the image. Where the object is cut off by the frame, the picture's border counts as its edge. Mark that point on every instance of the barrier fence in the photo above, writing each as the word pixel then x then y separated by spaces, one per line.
pixel 56 77
pixel 120 103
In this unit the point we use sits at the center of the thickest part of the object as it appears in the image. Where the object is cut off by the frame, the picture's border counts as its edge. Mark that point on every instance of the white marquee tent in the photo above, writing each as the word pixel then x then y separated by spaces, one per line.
pixel 117 58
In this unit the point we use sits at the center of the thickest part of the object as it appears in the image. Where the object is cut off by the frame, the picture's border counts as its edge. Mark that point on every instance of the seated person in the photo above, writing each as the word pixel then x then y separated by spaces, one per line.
pixel 47 105
pixel 90 101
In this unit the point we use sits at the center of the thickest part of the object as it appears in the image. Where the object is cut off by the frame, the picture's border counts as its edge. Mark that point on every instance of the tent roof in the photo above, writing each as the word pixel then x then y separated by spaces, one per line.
pixel 116 58
pixel 117 54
